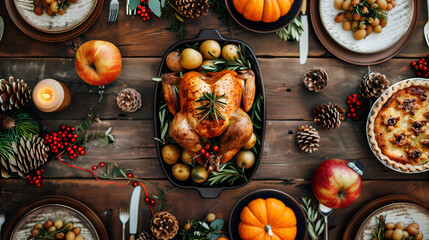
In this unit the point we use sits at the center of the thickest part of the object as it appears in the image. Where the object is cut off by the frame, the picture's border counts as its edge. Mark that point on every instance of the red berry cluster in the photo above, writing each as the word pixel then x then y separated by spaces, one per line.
pixel 35 178
pixel 421 67
pixel 206 150
pixel 64 139
pixel 149 201
pixel 143 10
pixel 355 104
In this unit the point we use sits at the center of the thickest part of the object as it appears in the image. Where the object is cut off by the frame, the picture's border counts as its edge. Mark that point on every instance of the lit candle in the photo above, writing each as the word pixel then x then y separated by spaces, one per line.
pixel 50 95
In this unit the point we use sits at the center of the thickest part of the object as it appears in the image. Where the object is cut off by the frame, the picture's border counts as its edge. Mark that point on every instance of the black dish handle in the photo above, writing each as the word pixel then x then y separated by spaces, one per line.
pixel 209 193
pixel 212 34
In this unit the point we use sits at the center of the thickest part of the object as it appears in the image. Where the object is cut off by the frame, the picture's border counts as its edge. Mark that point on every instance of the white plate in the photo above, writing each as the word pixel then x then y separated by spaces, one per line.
pixel 75 15
pixel 396 212
pixel 54 212
pixel 399 20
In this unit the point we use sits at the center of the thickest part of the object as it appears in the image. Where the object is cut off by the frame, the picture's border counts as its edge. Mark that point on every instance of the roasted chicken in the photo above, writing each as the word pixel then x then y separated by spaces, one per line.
pixel 208 106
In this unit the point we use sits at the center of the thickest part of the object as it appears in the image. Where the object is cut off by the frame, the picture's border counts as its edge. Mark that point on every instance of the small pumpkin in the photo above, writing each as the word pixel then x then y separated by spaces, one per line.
pixel 263 10
pixel 267 219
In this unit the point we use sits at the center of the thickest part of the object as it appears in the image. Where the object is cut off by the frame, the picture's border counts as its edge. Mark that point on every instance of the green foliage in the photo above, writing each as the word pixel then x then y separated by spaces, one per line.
pixel 133 4
pixel 256 114
pixel 228 173
pixel 315 227
pixel 177 23
pixel 83 136
pixel 25 126
pixel 200 230
pixel 209 109
pixel 219 7
pixel 292 31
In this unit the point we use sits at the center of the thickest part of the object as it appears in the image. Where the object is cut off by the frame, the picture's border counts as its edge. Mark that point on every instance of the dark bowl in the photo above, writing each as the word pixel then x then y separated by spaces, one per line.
pixel 206 191
pixel 301 220
pixel 262 27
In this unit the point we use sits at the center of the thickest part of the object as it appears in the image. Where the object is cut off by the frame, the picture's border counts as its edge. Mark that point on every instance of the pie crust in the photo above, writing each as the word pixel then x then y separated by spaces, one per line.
pixel 392 132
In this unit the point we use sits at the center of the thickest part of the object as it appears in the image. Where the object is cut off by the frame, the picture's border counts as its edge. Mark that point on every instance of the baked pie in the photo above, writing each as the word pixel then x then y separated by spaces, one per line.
pixel 399 126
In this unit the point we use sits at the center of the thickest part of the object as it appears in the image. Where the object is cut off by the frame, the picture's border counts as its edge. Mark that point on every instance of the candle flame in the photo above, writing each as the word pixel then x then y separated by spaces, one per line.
pixel 46 95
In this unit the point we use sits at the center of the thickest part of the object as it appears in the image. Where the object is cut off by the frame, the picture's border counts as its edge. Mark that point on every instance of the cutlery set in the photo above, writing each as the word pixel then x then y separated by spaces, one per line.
pixel 130 213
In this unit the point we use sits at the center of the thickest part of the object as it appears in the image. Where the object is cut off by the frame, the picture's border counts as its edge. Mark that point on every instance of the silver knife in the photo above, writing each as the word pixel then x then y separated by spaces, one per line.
pixel 303 42
pixel 1 27
pixel 134 211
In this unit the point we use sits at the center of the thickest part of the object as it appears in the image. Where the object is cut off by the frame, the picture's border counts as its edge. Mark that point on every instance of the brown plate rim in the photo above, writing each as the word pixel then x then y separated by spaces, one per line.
pixel 32 32
pixel 359 58
pixel 356 221
pixel 56 199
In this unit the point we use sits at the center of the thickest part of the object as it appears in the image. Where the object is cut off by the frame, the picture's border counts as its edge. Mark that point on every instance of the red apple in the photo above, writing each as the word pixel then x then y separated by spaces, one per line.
pixel 98 62
pixel 335 184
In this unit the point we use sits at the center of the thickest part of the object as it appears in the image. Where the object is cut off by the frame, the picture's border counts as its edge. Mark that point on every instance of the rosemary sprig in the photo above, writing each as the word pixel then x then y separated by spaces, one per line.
pixel 209 109
pixel 228 173
pixel 44 234
pixel 255 114
pixel 82 131
pixel 315 227
pixel 164 118
pixel 378 233
pixel 293 31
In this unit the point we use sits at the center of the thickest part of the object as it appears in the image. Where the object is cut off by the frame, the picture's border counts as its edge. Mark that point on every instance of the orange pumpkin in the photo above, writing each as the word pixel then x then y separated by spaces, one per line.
pixel 263 10
pixel 267 219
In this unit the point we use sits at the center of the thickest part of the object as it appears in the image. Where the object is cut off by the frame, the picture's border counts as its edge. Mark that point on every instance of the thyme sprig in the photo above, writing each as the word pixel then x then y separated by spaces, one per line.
pixel 209 109
pixel 228 173
pixel 315 227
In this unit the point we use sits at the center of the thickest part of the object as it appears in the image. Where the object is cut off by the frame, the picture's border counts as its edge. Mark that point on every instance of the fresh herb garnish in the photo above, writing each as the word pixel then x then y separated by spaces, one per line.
pixel 228 173
pixel 293 31
pixel 209 109
pixel 241 63
pixel 315 227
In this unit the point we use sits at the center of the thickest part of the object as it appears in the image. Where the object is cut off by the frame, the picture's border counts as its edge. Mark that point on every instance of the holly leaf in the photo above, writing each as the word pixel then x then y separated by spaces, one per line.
pixel 133 4
pixel 217 224
pixel 155 6
pixel 163 3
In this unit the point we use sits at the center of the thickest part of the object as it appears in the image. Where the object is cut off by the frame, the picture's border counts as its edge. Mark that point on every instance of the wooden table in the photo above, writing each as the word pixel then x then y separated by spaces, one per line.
pixel 290 105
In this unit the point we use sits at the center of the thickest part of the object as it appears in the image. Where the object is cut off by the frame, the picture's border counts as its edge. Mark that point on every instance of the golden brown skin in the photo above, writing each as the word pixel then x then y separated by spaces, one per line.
pixel 188 128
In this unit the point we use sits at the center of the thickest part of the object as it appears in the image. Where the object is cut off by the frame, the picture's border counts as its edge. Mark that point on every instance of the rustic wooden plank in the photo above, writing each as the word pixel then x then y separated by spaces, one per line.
pixel 286 95
pixel 137 38
pixel 282 159
pixel 102 198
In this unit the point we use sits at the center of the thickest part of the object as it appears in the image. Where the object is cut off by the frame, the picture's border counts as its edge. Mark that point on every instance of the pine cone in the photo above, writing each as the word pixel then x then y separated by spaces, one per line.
pixel 13 94
pixel 6 122
pixel 129 100
pixel 308 139
pixel 146 236
pixel 328 116
pixel 164 225
pixel 30 154
pixel 193 8
pixel 316 79
pixel 373 85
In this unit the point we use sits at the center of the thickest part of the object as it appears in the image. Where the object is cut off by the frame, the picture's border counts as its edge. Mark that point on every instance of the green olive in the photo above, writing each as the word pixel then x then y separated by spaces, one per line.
pixel 171 153
pixel 245 158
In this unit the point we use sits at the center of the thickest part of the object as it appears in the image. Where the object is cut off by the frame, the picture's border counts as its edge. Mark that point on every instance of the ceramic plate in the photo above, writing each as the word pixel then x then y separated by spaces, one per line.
pixel 399 21
pixel 53 212
pixel 75 15
pixel 396 212
pixel 234 219
pixel 367 129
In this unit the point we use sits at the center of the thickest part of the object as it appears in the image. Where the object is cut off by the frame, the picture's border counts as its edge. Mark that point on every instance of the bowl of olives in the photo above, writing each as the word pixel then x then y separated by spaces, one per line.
pixel 223 147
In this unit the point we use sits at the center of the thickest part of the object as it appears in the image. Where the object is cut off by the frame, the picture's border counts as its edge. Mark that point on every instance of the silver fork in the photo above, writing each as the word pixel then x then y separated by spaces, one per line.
pixel 426 28
pixel 129 11
pixel 2 218
pixel 124 216
pixel 113 11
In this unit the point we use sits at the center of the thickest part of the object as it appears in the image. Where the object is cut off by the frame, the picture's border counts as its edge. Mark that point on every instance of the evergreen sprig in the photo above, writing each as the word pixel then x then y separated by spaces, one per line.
pixel 315 227
pixel 256 115
pixel 83 136
pixel 293 31
pixel 228 173
pixel 201 230
pixel 177 23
